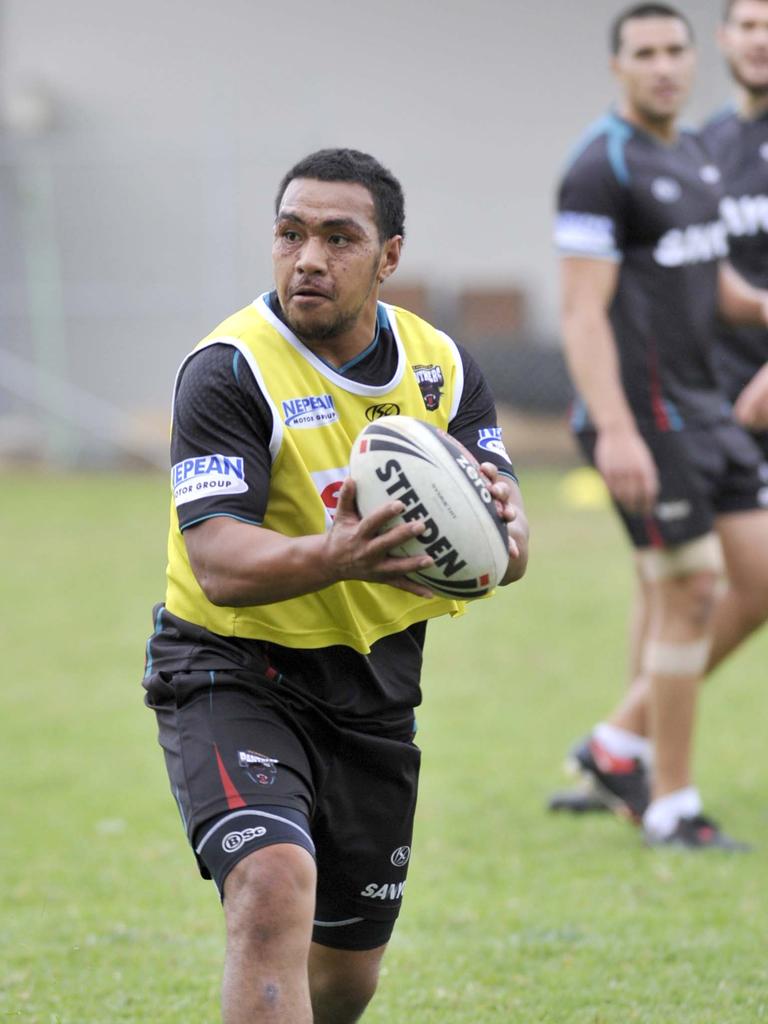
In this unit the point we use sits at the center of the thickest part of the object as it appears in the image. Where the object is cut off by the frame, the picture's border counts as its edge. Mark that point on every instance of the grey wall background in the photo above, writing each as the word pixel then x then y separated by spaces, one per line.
pixel 142 214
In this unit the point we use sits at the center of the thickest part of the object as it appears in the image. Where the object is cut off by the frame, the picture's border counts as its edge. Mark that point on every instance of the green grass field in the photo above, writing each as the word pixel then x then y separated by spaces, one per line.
pixel 512 915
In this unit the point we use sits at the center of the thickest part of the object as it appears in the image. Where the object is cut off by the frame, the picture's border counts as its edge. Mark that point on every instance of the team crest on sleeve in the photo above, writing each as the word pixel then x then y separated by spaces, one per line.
pixel 489 439
pixel 206 475
pixel 431 382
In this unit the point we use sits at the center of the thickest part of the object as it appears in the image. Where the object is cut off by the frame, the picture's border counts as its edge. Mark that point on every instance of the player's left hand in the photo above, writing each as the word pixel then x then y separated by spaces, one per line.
pixel 509 504
pixel 751 406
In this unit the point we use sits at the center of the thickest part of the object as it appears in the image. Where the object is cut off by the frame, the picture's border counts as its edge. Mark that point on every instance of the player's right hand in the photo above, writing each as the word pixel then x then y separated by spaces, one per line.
pixel 358 549
pixel 626 464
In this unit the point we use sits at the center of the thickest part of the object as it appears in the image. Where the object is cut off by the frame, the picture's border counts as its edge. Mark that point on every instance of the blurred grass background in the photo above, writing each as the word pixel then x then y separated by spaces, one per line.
pixel 511 914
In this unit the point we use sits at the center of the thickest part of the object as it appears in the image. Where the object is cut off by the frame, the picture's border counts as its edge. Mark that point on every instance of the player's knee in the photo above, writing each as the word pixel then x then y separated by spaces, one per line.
pixel 697 597
pixel 270 893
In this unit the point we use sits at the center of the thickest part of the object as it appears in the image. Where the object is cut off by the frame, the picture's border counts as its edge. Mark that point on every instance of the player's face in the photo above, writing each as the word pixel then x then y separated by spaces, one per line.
pixel 655 66
pixel 329 261
pixel 744 42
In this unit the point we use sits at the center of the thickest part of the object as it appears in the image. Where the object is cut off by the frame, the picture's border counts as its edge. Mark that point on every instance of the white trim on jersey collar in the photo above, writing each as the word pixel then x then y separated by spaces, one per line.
pixel 324 369
pixel 276 439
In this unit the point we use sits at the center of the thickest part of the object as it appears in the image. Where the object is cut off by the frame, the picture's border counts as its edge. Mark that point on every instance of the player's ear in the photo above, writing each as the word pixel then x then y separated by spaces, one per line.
pixel 390 257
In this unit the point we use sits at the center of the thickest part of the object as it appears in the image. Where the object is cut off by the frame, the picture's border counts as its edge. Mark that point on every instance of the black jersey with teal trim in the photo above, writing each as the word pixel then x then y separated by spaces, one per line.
pixel 740 149
pixel 654 209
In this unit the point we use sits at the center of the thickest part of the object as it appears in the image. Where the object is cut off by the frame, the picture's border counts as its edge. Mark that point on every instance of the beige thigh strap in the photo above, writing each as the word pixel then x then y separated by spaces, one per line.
pixel 701 555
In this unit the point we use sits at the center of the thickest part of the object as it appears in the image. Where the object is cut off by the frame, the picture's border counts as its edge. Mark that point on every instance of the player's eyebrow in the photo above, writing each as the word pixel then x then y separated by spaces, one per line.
pixel 332 223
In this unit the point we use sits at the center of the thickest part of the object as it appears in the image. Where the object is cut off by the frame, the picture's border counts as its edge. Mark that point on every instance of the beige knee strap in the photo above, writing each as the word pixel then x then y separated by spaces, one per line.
pixel 667 659
pixel 701 555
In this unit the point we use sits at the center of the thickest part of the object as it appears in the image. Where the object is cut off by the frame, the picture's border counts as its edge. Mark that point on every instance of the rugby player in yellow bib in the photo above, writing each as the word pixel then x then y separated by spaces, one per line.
pixel 284 664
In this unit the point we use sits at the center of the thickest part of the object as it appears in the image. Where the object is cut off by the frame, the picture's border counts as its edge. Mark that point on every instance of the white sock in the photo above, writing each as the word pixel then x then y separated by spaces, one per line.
pixel 622 743
pixel 663 814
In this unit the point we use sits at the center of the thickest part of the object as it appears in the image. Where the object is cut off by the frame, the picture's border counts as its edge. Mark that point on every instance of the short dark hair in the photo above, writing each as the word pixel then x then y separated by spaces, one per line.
pixel 362 169
pixel 644 11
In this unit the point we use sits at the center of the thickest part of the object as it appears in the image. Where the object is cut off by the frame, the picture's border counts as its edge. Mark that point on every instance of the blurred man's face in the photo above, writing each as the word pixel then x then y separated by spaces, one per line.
pixel 327 257
pixel 744 42
pixel 655 66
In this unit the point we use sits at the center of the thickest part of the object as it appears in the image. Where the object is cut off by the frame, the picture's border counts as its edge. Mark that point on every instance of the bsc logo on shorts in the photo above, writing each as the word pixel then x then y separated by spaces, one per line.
pixel 232 841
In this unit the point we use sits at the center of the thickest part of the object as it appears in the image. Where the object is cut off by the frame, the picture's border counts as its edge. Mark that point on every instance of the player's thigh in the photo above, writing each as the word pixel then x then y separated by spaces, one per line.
pixel 238 769
pixel 744 539
pixel 684 508
pixel 363 827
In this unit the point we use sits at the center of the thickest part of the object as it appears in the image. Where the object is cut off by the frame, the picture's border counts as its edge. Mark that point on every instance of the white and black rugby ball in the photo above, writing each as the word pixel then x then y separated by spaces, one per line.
pixel 404 459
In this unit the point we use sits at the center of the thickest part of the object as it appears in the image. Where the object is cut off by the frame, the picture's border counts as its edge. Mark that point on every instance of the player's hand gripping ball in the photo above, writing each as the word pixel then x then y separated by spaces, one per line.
pixel 404 459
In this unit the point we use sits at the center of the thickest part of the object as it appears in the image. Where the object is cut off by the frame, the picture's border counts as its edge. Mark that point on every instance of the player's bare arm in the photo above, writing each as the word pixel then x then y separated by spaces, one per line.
pixel 739 301
pixel 751 405
pixel 238 564
pixel 621 455
pixel 510 505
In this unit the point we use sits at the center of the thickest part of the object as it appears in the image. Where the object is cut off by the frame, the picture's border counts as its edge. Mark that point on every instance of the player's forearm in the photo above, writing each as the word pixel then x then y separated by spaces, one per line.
pixel 249 565
pixel 590 351
pixel 739 301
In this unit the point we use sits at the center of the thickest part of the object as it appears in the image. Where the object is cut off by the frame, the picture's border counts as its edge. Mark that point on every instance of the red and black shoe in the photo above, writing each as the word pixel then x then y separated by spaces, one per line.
pixel 698 833
pixel 621 782
pixel 581 799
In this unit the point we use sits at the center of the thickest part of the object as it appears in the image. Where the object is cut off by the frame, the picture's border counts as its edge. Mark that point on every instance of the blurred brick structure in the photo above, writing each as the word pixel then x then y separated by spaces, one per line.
pixel 490 312
pixel 411 295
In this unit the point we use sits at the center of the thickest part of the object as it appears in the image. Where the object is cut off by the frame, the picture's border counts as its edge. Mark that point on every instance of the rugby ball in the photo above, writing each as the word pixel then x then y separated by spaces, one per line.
pixel 438 481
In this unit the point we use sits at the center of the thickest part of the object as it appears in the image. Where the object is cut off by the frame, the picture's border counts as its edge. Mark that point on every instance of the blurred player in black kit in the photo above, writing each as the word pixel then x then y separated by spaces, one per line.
pixel 644 279
pixel 285 662
pixel 737 138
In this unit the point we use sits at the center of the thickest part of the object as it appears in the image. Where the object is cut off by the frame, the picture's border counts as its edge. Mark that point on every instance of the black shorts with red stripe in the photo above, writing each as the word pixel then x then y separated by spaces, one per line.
pixel 253 762
pixel 704 472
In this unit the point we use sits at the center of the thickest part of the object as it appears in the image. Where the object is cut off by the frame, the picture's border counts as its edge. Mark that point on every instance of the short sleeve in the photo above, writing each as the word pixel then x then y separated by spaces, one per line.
pixel 220 435
pixel 475 424
pixel 591 207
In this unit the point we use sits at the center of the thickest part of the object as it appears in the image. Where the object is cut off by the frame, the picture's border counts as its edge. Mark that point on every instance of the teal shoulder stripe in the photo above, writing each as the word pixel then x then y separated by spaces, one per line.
pixel 617 133
pixel 220 515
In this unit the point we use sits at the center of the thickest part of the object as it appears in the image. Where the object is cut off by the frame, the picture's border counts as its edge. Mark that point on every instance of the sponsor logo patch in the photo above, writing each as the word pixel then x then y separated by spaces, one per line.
pixel 669 511
pixel 383 891
pixel 310 411
pixel 375 412
pixel 489 439
pixel 207 474
pixel 232 841
pixel 745 216
pixel 328 483
pixel 585 233
pixel 257 767
pixel 431 382
pixel 698 243
pixel 666 190
pixel 401 856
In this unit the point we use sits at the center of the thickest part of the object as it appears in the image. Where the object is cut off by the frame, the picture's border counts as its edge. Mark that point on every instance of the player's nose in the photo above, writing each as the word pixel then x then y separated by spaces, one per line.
pixel 312 258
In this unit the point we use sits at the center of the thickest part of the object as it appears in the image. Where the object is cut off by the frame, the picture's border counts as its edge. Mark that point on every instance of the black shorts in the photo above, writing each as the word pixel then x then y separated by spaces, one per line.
pixel 250 763
pixel 703 473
